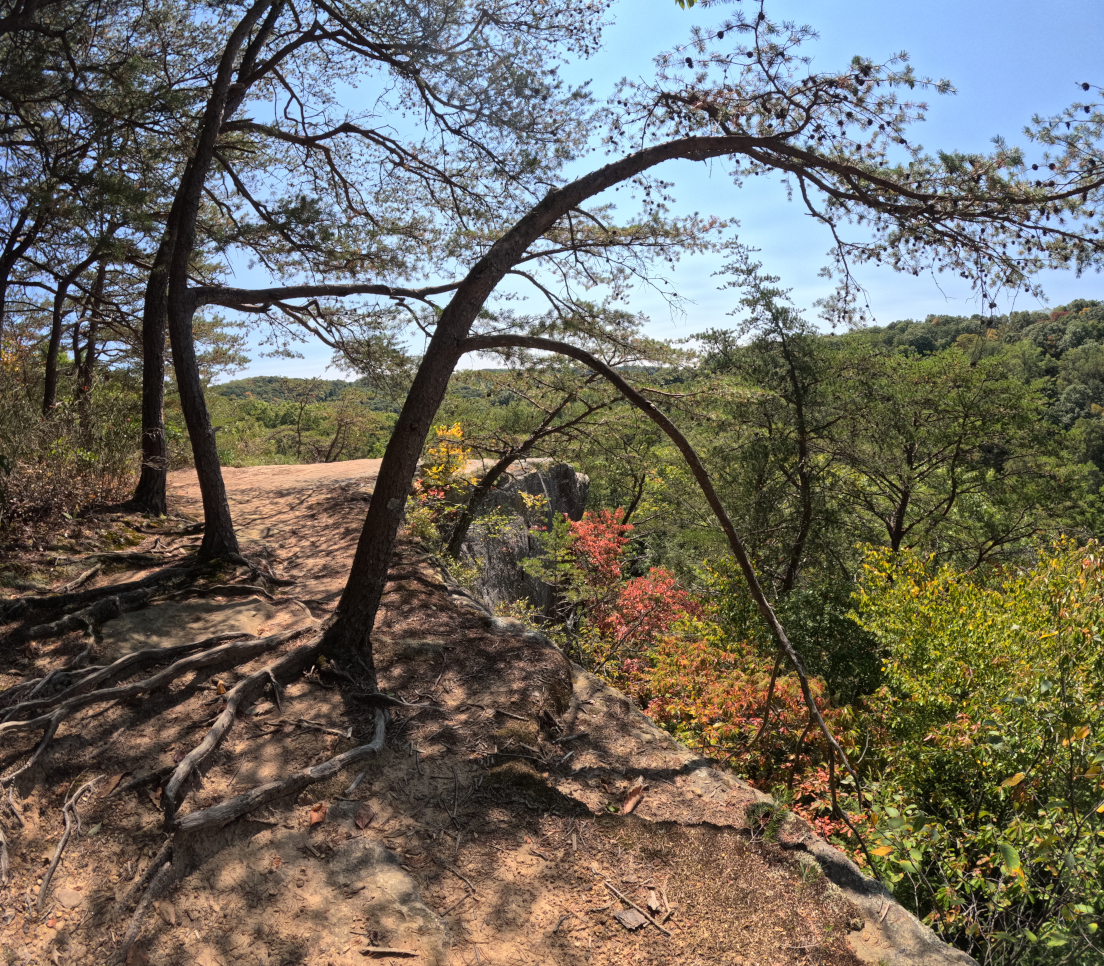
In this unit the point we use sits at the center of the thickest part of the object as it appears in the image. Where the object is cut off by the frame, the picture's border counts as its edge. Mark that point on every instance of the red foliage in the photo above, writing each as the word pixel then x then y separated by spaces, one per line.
pixel 599 542
pixel 658 644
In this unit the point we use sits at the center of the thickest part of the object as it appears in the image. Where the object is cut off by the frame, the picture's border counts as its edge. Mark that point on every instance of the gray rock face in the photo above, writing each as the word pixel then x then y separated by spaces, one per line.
pixel 500 537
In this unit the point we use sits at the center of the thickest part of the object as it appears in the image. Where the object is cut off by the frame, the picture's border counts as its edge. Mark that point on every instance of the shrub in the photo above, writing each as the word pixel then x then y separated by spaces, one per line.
pixel 989 804
pixel 69 460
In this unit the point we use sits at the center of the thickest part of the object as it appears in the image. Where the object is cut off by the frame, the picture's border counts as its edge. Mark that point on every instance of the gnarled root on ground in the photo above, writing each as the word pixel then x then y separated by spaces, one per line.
pixel 225 812
pixel 58 604
pixel 245 690
pixel 74 682
pixel 225 655
pixel 162 873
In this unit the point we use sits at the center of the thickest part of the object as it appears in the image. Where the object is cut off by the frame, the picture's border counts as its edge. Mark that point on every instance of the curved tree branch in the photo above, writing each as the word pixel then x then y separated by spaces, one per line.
pixel 701 475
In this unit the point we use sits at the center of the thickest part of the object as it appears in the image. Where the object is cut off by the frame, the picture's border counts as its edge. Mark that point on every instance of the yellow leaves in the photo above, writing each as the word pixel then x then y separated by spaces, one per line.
pixel 882 850
pixel 1013 781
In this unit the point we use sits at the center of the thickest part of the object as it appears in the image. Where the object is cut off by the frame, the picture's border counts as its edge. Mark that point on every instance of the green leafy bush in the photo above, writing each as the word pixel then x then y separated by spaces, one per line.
pixel 989 802
pixel 75 457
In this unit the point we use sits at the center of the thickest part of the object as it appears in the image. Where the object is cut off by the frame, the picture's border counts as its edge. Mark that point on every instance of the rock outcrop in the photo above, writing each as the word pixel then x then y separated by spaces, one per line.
pixel 500 539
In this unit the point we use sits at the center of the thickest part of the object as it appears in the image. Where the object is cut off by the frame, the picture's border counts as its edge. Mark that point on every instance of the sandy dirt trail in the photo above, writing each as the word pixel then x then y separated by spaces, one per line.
pixel 305 520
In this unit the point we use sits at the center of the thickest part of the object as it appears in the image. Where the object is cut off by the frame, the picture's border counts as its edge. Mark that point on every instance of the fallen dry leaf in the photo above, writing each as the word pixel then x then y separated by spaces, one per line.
pixel 632 798
pixel 364 815
pixel 112 783
pixel 221 688
pixel 155 796
pixel 318 813
pixel 51 923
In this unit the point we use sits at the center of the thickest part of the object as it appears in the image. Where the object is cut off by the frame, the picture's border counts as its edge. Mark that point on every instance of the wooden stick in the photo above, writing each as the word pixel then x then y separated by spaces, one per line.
pixel 624 898
pixel 456 872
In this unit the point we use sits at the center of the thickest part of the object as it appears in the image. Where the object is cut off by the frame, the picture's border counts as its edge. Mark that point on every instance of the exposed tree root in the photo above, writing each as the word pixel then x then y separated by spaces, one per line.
pixel 87 678
pixel 60 603
pixel 245 690
pixel 159 884
pixel 83 578
pixel 72 819
pixel 137 888
pixel 228 590
pixel 3 857
pixel 224 655
pixel 225 812
pixel 102 611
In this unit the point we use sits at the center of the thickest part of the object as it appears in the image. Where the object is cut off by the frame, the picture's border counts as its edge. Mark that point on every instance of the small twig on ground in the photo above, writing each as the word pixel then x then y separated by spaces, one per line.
pixel 485 707
pixel 642 912
pixel 383 950
pixel 464 898
pixel 566 738
pixel 317 726
pixel 356 781
pixel 3 857
pixel 456 872
pixel 69 812
pixel 16 810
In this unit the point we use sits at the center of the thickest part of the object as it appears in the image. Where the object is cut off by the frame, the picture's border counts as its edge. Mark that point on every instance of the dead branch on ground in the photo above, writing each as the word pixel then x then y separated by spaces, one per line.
pixel 225 812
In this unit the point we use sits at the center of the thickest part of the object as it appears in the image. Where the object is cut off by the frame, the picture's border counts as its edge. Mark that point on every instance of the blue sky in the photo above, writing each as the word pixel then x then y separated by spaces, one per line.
pixel 1006 59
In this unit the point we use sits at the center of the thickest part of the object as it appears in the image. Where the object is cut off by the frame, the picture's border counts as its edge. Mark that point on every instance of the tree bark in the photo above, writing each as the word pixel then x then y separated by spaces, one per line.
pixel 150 495
pixel 170 303
pixel 86 361
pixel 53 348
pixel 349 633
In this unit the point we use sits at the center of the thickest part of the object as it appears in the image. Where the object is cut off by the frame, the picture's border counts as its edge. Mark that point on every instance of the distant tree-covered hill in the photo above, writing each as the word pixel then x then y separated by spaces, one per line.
pixel 284 389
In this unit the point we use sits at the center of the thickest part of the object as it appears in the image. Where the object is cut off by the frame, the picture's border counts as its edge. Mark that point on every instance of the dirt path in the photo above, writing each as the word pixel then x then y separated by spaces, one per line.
pixel 488 830
pixel 305 520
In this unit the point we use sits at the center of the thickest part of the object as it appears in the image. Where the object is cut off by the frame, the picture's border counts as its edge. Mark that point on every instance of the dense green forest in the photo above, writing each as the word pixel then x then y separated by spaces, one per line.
pixel 859 564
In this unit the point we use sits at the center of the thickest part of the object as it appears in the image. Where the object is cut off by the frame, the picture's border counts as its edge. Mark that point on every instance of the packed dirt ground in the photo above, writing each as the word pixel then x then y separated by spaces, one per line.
pixel 492 827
